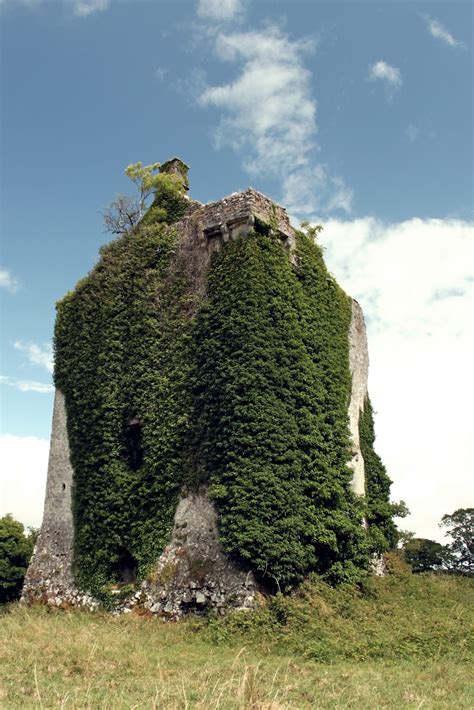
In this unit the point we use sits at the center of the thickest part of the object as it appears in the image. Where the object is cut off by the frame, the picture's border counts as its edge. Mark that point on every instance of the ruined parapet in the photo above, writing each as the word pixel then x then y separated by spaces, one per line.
pixel 204 228
pixel 359 366
pixel 241 213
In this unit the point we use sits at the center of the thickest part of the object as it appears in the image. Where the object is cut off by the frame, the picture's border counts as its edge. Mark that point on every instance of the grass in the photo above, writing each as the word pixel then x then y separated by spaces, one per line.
pixel 402 643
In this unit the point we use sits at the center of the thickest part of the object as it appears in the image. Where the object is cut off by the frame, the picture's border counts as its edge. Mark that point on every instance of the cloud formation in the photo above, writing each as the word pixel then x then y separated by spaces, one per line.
pixel 415 282
pixel 220 10
pixel 412 132
pixel 386 73
pixel 7 281
pixel 80 8
pixel 160 73
pixel 268 107
pixel 26 385
pixel 269 116
pixel 37 354
pixel 23 477
pixel 84 8
pixel 439 31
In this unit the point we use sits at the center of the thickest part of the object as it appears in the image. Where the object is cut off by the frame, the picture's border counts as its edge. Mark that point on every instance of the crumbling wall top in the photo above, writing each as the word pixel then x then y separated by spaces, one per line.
pixel 247 202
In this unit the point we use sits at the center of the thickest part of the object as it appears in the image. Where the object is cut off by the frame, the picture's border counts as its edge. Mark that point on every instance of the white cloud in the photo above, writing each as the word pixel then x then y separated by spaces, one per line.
pixel 84 8
pixel 27 3
pixel 381 71
pixel 269 108
pixel 160 73
pixel 412 132
pixel 415 283
pixel 37 354
pixel 26 385
pixel 220 10
pixel 312 190
pixel 8 281
pixel 439 31
pixel 80 8
pixel 269 116
pixel 23 477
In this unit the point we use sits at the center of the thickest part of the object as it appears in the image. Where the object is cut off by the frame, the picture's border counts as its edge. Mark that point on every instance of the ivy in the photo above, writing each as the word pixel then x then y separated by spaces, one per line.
pixel 247 394
pixel 271 388
pixel 382 531
pixel 120 344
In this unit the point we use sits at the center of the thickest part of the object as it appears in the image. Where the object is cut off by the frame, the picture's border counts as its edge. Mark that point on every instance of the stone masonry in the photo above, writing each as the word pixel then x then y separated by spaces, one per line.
pixel 49 577
pixel 359 367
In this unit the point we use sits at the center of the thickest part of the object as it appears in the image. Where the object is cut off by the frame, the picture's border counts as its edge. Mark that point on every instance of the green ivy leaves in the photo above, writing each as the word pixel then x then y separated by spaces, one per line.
pixel 248 396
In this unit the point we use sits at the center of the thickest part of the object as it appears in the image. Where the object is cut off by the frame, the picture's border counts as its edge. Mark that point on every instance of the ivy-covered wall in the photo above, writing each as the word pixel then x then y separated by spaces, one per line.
pixel 120 347
pixel 382 531
pixel 246 394
pixel 272 385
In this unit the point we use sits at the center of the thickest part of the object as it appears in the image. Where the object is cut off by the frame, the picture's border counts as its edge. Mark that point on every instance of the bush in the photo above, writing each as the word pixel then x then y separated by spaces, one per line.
pixel 15 552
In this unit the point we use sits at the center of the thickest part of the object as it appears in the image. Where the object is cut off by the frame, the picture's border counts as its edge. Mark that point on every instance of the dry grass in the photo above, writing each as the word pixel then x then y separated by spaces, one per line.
pixel 78 660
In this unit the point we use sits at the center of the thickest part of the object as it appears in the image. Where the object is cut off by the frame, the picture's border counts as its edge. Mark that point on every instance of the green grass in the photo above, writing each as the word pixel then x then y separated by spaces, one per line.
pixel 403 643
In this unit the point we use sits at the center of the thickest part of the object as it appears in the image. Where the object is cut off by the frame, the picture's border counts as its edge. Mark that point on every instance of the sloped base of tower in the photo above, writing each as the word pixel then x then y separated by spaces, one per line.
pixel 49 578
pixel 192 575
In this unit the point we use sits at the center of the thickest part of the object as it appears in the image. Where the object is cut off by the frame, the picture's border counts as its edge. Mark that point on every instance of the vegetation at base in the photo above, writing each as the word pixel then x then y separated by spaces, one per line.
pixel 382 531
pixel 398 616
pixel 403 642
pixel 271 388
pixel 16 548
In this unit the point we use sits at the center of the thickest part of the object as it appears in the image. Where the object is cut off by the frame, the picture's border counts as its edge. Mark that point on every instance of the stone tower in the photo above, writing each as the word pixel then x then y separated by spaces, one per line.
pixel 192 572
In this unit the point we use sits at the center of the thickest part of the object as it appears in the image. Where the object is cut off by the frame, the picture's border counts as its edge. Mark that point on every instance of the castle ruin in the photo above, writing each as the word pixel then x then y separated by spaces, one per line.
pixel 192 572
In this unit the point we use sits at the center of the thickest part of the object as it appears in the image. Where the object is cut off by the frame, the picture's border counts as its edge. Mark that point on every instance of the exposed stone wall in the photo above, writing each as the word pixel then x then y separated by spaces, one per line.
pixel 49 577
pixel 204 228
pixel 243 203
pixel 235 215
pixel 359 367
pixel 193 573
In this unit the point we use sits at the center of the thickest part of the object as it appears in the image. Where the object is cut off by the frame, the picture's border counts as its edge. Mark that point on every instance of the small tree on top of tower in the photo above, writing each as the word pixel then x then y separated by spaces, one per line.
pixel 165 182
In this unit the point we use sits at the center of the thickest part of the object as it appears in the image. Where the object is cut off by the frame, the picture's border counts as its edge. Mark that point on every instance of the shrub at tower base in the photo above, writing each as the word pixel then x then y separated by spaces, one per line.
pixel 245 394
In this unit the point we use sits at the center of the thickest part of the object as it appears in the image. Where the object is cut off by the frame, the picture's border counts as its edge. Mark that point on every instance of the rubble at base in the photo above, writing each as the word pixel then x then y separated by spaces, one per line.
pixel 191 576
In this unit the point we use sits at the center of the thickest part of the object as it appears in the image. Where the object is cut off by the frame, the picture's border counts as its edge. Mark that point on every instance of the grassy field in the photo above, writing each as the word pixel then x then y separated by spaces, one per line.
pixel 403 642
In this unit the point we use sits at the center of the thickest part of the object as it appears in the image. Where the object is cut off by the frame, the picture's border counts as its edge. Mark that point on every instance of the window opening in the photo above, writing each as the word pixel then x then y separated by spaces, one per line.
pixel 133 437
pixel 125 568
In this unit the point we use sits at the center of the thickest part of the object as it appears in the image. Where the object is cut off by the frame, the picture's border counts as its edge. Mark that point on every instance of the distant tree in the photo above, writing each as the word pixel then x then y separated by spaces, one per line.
pixel 404 536
pixel 459 554
pixel 423 555
pixel 125 212
pixel 33 534
pixel 15 552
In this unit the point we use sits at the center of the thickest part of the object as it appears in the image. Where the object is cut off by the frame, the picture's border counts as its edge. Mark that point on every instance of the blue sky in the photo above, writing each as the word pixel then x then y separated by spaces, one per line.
pixel 354 114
